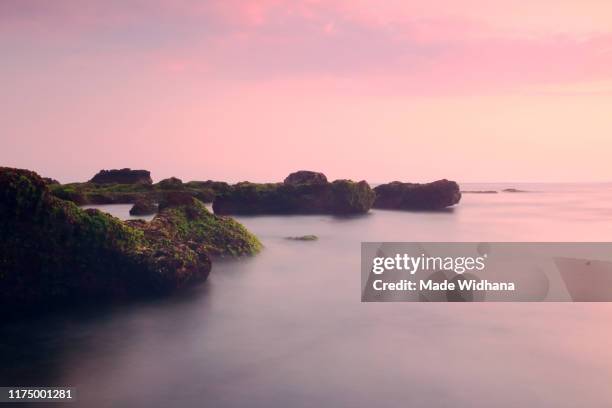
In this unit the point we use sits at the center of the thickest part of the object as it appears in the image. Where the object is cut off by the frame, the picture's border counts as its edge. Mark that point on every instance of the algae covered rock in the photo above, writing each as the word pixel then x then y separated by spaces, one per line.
pixel 171 183
pixel 182 217
pixel 117 193
pixel 53 252
pixel 122 176
pixel 411 196
pixel 305 177
pixel 143 207
pixel 339 197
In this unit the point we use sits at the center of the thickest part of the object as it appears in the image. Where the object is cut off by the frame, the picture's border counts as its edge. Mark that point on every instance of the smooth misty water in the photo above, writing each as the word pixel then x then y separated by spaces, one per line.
pixel 286 328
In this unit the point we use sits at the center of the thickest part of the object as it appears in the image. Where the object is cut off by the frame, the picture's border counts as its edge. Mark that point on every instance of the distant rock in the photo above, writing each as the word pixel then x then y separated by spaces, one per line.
pixel 310 197
pixel 514 190
pixel 122 176
pixel 305 177
pixel 143 207
pixel 214 186
pixel 410 196
pixel 93 193
pixel 479 192
pixel 171 183
pixel 304 238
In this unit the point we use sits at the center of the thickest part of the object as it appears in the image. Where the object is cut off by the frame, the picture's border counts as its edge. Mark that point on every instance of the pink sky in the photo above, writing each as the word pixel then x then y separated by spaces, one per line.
pixel 471 90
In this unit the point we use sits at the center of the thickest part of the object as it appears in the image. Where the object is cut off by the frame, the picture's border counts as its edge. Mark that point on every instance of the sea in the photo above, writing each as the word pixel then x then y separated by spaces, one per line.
pixel 286 328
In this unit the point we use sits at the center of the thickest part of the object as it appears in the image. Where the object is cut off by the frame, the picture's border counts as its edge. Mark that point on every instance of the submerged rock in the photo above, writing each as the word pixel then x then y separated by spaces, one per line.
pixel 514 190
pixel 479 192
pixel 53 252
pixel 304 238
pixel 410 196
pixel 305 177
pixel 338 197
pixel 122 176
pixel 143 207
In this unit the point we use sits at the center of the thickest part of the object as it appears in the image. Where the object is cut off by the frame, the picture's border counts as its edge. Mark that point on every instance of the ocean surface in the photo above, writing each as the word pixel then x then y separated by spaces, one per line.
pixel 286 328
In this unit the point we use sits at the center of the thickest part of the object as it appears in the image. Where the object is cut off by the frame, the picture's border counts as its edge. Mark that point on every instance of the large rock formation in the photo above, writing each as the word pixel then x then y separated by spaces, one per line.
pixel 52 252
pixel 410 196
pixel 122 176
pixel 93 193
pixel 312 196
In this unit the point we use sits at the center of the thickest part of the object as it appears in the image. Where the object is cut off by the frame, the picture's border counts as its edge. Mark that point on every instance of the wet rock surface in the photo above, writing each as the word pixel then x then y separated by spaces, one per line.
pixel 411 196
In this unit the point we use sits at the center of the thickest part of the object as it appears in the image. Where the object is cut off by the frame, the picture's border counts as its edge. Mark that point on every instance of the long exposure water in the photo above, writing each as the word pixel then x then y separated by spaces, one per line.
pixel 286 328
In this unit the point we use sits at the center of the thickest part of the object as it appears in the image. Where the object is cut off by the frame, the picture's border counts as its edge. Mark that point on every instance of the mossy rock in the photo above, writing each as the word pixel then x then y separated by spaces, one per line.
pixel 338 197
pixel 171 183
pixel 117 193
pixel 55 253
pixel 184 218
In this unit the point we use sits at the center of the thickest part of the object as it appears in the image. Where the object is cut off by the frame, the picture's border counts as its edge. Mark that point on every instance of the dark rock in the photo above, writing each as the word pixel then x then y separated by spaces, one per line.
pixel 143 207
pixel 122 176
pixel 175 199
pixel 479 192
pixel 514 190
pixel 216 187
pixel 50 181
pixel 92 193
pixel 305 177
pixel 408 196
pixel 304 238
pixel 54 253
pixel 171 183
pixel 339 197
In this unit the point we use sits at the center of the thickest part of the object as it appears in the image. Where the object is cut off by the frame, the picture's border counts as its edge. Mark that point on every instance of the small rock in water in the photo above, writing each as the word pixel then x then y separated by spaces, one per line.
pixel 304 238
pixel 514 190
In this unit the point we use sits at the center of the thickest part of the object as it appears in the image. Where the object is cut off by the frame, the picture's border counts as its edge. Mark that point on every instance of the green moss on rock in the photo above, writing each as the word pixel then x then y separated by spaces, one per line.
pixel 54 252
pixel 120 193
pixel 316 197
pixel 185 218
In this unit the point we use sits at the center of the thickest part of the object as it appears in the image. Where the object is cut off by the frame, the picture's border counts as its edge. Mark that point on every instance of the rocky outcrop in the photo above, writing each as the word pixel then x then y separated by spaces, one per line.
pixel 122 176
pixel 92 193
pixel 143 207
pixel 171 183
pixel 338 197
pixel 305 177
pixel 410 196
pixel 53 253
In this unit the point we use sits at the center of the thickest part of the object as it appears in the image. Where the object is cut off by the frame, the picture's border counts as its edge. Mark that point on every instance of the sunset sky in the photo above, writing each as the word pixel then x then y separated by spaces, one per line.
pixel 472 90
